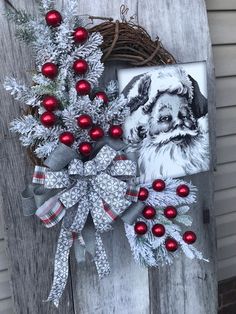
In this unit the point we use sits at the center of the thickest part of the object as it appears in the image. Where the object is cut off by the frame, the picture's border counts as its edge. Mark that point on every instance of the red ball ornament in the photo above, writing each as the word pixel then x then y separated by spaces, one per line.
pixel 67 138
pixel 85 149
pixel 48 119
pixel 84 121
pixel 140 228
pixel 171 245
pixel 158 230
pixel 53 18
pixel 50 103
pixel 182 190
pixel 80 66
pixel 115 131
pixel 158 185
pixel 83 87
pixel 96 133
pixel 49 70
pixel 143 194
pixel 170 212
pixel 149 212
pixel 189 237
pixel 102 96
pixel 80 35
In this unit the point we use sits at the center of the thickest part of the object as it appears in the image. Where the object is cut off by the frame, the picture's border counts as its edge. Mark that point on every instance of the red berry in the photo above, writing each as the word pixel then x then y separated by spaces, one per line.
pixel 83 87
pixel 189 237
pixel 140 228
pixel 49 70
pixel 170 212
pixel 50 103
pixel 158 230
pixel 80 35
pixel 80 66
pixel 53 18
pixel 143 194
pixel 149 212
pixel 84 121
pixel 85 149
pixel 96 133
pixel 182 190
pixel 48 119
pixel 171 245
pixel 102 96
pixel 67 138
pixel 115 131
pixel 158 185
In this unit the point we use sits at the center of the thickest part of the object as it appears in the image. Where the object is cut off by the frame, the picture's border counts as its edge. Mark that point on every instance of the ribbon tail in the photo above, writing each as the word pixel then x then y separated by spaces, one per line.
pixel 100 259
pixel 61 266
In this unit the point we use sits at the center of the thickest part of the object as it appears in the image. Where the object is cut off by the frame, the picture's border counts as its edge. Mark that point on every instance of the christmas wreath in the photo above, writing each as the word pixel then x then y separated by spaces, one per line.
pixel 73 131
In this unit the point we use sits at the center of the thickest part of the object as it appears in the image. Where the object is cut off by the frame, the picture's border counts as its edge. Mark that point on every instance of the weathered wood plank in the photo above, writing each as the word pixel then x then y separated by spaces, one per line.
pixel 225 58
pixel 221 5
pixel 225 91
pixel 31 248
pixel 194 280
pixel 221 26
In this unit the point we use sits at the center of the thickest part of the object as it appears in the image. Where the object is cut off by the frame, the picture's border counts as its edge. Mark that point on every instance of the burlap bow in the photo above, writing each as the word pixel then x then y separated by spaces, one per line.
pixel 96 187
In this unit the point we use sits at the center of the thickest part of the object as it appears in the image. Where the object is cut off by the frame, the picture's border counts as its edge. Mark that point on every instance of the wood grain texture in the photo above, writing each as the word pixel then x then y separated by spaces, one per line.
pixel 222 25
pixel 31 248
pixel 185 287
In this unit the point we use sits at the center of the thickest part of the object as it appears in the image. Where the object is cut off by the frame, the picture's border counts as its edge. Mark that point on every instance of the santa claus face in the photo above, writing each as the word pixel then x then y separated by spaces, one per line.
pixel 171 119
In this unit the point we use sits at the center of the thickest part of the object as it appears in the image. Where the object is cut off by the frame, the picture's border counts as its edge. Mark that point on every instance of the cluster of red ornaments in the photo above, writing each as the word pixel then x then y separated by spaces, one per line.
pixel 83 87
pixel 170 212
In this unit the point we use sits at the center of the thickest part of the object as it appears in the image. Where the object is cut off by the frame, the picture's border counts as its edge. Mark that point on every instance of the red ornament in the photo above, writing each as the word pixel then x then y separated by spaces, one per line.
pixel 83 87
pixel 182 190
pixel 67 138
pixel 170 212
pixel 149 212
pixel 143 194
pixel 48 119
pixel 84 121
pixel 50 103
pixel 115 131
pixel 158 185
pixel 85 149
pixel 53 18
pixel 96 133
pixel 158 230
pixel 171 245
pixel 80 35
pixel 189 237
pixel 49 70
pixel 140 228
pixel 102 96
pixel 80 66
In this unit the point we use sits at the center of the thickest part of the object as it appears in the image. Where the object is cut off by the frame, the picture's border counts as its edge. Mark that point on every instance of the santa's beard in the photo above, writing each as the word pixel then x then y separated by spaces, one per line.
pixel 160 157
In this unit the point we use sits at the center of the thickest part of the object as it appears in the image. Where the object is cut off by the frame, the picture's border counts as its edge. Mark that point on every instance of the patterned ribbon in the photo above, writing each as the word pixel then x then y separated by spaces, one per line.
pixel 96 187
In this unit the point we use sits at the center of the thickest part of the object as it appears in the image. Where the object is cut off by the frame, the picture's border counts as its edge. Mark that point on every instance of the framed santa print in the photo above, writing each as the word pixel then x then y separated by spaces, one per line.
pixel 168 125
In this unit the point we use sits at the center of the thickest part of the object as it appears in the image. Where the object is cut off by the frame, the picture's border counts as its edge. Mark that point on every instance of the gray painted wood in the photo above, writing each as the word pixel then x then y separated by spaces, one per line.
pixel 222 25
pixel 221 5
pixel 225 58
pixel 225 91
pixel 184 288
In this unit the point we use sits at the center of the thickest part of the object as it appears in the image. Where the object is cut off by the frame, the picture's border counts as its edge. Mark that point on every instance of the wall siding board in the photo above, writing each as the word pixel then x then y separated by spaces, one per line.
pixel 222 26
pixel 226 91
pixel 225 176
pixel 225 201
pixel 225 121
pixel 226 149
pixel 221 5
pixel 226 268
pixel 225 60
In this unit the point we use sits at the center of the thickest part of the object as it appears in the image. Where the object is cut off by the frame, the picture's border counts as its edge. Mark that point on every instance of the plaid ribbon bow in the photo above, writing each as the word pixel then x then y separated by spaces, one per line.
pixel 94 187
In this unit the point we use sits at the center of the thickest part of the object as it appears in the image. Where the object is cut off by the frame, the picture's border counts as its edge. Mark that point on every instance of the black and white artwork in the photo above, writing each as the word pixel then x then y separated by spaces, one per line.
pixel 167 129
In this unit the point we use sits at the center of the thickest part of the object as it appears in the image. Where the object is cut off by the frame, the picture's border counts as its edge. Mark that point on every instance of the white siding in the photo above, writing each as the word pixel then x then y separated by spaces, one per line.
pixel 222 21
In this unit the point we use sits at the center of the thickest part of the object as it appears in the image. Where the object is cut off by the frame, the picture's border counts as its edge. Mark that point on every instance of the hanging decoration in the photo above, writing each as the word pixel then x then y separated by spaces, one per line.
pixel 73 129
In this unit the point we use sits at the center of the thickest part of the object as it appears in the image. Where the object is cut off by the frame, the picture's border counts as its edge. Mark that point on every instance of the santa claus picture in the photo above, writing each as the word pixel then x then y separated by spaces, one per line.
pixel 167 129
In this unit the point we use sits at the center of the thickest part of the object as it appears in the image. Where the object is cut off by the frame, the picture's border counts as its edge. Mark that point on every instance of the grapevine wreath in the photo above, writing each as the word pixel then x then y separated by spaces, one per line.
pixel 73 132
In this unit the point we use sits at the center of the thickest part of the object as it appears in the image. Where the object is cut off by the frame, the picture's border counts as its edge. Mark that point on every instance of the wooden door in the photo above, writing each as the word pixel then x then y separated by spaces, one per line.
pixel 186 287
